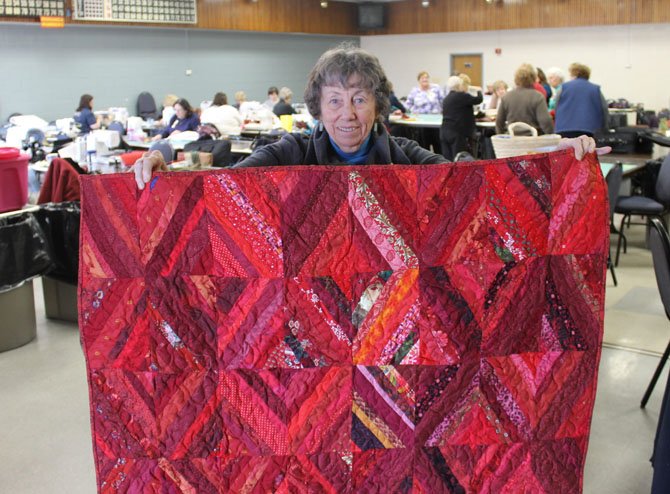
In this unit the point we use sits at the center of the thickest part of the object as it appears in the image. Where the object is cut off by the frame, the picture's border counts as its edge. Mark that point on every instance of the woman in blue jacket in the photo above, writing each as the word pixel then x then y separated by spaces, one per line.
pixel 581 108
pixel 184 119
pixel 84 115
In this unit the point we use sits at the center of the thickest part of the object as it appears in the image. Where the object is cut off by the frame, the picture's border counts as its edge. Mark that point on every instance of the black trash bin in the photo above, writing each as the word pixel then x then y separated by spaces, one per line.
pixel 23 256
pixel 60 222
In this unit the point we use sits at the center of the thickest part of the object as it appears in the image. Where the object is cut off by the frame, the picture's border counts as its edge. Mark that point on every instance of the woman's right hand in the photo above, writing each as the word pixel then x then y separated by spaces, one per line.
pixel 151 161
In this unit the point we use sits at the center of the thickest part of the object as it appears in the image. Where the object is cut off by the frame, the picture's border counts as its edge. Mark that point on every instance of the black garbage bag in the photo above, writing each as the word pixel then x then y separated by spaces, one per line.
pixel 23 250
pixel 643 183
pixel 60 222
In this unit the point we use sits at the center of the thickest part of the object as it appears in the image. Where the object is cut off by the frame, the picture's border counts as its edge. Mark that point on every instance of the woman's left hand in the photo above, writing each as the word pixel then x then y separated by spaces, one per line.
pixel 582 145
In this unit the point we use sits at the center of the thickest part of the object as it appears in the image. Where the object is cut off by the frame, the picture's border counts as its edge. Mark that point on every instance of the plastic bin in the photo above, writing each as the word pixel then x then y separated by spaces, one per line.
pixel 23 256
pixel 60 223
pixel 13 179
pixel 60 299
pixel 17 324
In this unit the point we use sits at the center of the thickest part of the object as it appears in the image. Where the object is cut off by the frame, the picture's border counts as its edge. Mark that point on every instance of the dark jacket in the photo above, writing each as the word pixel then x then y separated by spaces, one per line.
pixel 188 123
pixel 580 107
pixel 298 149
pixel 396 104
pixel 457 113
pixel 283 108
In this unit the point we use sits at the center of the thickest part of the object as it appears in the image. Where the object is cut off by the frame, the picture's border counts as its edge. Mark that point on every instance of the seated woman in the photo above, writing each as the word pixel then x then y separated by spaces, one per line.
pixel 348 92
pixel 458 117
pixel 184 119
pixel 240 97
pixel 283 106
pixel 524 104
pixel 84 115
pixel 426 97
pixel 499 90
pixel 223 116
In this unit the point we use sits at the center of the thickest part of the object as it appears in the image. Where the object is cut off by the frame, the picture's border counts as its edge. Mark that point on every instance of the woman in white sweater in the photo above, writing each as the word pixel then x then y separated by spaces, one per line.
pixel 224 117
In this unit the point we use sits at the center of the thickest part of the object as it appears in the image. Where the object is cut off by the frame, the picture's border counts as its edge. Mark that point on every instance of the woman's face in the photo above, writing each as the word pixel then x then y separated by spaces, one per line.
pixel 348 114
pixel 180 111
pixel 501 91
pixel 554 80
pixel 424 82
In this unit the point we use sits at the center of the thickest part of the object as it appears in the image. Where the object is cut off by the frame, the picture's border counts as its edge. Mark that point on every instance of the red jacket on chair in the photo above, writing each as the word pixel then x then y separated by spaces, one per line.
pixel 61 183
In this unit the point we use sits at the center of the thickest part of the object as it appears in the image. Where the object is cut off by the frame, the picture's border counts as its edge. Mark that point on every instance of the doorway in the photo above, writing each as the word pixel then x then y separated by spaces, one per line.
pixel 470 64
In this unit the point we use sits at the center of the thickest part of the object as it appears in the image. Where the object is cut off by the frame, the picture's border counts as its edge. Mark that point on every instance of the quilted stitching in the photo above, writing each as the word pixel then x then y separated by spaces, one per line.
pixel 347 329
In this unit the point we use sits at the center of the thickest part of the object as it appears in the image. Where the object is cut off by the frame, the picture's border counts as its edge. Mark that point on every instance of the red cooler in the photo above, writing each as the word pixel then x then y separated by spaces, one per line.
pixel 13 179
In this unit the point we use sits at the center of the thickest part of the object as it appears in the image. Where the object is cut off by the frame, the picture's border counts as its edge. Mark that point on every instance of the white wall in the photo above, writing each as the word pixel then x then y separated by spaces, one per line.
pixel 628 61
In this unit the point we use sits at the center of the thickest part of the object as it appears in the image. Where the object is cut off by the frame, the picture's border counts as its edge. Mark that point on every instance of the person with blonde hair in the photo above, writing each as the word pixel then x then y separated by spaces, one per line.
pixel 283 106
pixel 466 82
pixel 168 108
pixel 422 99
pixel 581 108
pixel 524 104
pixel 426 97
pixel 499 90
pixel 240 97
pixel 458 118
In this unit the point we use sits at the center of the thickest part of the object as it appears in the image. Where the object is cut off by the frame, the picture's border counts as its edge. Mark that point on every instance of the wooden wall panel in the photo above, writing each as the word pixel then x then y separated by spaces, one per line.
pixel 284 16
pixel 408 17
pixel 281 16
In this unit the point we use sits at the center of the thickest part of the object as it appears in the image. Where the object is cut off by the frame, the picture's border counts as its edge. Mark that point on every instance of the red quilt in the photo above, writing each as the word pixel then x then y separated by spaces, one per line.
pixel 375 329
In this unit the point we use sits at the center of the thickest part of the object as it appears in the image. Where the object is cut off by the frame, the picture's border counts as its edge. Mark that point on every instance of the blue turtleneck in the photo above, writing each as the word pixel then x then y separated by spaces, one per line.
pixel 357 157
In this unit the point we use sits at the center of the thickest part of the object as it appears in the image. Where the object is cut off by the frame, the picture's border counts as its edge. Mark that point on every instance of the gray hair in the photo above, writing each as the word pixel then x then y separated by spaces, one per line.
pixel 336 67
pixel 285 93
pixel 454 83
pixel 555 71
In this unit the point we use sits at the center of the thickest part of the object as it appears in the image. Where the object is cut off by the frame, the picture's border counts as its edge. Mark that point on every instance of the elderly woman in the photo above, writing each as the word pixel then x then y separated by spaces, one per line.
pixel 283 106
pixel 524 104
pixel 499 90
pixel 426 97
pixel 348 92
pixel 581 107
pixel 458 117
pixel 555 77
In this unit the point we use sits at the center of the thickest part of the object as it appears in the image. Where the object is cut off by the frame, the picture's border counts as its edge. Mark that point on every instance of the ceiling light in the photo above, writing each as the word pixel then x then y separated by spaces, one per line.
pixel 425 3
pixel 324 5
